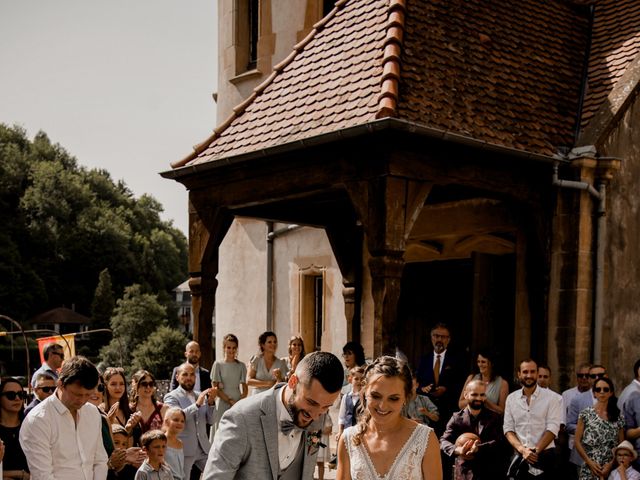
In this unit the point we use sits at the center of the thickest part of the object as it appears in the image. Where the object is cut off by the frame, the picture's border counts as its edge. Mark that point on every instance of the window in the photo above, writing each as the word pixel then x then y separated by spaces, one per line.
pixel 327 6
pixel 254 32
pixel 312 307
pixel 246 34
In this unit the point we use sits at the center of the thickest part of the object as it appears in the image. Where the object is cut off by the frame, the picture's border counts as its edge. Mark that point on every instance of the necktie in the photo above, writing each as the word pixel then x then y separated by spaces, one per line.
pixel 286 426
pixel 436 370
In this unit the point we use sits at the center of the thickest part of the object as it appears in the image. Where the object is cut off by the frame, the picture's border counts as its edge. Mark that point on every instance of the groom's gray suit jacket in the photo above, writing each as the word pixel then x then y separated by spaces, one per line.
pixel 245 445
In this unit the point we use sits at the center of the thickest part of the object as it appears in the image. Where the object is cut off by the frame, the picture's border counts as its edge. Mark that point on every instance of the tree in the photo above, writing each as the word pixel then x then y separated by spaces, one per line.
pixel 160 352
pixel 103 302
pixel 137 315
pixel 63 224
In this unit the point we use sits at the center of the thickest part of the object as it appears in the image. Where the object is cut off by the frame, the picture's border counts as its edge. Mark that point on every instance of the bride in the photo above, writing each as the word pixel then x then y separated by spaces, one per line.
pixel 384 444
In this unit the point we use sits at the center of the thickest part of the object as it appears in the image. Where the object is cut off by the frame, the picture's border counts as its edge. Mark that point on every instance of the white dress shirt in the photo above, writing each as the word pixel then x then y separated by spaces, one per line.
pixel 59 449
pixel 287 444
pixel 530 421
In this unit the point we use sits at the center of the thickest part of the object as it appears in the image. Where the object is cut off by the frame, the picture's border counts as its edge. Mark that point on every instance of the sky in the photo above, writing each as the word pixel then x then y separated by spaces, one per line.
pixel 122 85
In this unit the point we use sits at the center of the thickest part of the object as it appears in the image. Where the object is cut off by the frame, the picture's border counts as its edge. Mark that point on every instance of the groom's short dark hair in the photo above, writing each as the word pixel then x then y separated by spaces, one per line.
pixel 324 367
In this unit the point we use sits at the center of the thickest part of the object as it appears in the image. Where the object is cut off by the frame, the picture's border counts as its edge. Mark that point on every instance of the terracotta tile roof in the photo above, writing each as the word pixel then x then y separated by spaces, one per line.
pixel 615 44
pixel 507 73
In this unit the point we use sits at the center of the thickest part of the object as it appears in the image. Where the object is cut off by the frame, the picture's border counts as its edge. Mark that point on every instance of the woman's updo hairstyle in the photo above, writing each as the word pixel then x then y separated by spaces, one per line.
pixel 388 367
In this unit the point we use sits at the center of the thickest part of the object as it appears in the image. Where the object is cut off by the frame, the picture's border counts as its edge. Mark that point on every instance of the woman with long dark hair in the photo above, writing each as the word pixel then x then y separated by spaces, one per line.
pixel 116 399
pixel 600 428
pixel 12 397
pixel 497 387
pixel 385 444
pixel 148 413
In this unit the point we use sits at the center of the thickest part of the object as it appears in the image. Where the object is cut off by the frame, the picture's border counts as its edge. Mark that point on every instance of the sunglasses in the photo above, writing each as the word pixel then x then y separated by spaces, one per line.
pixel 582 375
pixel 602 389
pixel 596 375
pixel 147 384
pixel 13 395
pixel 46 389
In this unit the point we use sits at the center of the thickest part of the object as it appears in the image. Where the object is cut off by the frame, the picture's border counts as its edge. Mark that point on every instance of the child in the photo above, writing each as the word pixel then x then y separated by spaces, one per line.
pixel 419 407
pixel 348 415
pixel 173 425
pixel 154 444
pixel 324 454
pixel 623 455
pixel 121 442
pixel 229 376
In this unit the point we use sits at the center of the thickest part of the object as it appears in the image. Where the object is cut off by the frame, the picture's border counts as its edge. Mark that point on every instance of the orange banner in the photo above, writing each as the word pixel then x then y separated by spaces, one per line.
pixel 67 342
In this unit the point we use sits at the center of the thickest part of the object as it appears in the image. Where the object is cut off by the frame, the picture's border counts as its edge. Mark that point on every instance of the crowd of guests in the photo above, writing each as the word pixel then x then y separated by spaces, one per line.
pixel 392 422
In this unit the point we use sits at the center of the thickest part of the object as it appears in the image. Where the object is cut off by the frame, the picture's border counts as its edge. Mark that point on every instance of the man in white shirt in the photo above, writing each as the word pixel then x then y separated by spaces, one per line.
pixel 532 418
pixel 62 436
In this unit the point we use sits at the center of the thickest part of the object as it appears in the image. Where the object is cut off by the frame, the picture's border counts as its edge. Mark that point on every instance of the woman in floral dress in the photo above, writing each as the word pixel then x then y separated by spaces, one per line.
pixel 600 428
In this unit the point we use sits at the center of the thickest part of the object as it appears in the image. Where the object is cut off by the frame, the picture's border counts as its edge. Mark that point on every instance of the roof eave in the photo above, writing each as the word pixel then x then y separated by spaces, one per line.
pixel 358 131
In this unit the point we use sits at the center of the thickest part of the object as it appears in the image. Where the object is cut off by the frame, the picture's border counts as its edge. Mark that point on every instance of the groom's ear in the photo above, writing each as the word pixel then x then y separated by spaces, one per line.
pixel 293 381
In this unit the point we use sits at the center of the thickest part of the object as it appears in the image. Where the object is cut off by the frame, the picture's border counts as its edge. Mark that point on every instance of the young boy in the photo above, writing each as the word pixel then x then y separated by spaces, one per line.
pixel 624 454
pixel 348 415
pixel 122 469
pixel 420 408
pixel 154 444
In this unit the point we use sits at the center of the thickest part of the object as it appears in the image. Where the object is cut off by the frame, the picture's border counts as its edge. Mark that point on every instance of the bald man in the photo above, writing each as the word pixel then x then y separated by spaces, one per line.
pixel 192 355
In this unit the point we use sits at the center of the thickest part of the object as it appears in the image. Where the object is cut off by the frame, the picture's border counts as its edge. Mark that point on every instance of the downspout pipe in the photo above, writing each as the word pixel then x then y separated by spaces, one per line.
pixel 600 195
pixel 270 276
pixel 271 236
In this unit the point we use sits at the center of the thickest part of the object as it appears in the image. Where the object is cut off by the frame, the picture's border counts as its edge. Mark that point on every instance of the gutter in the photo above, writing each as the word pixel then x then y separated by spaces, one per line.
pixel 600 196
pixel 362 130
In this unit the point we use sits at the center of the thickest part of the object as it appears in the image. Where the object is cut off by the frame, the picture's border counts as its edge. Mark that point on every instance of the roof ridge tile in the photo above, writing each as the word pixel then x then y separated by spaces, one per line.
pixel 388 98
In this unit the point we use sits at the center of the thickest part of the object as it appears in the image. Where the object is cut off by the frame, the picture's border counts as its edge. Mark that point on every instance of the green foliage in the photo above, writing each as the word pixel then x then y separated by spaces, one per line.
pixel 136 316
pixel 64 224
pixel 160 352
pixel 103 302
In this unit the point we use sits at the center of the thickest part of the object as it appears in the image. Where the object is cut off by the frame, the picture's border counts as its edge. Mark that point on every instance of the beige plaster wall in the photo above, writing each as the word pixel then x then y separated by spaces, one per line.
pixel 242 286
pixel 282 23
pixel 294 253
pixel 622 264
pixel 241 296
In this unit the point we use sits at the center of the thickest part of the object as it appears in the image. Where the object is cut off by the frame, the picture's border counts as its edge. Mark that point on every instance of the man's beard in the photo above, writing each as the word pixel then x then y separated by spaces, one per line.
pixel 476 404
pixel 528 382
pixel 192 361
pixel 295 412
pixel 188 386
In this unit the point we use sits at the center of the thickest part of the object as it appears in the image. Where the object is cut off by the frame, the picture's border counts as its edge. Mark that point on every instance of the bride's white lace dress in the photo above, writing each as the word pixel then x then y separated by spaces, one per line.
pixel 406 466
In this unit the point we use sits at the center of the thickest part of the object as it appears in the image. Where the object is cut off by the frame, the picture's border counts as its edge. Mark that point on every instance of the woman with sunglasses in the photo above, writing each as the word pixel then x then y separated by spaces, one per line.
pixel 600 428
pixel 12 398
pixel 116 400
pixel 148 413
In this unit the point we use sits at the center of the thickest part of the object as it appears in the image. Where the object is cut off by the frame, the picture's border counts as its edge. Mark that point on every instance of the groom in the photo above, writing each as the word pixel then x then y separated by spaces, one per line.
pixel 276 434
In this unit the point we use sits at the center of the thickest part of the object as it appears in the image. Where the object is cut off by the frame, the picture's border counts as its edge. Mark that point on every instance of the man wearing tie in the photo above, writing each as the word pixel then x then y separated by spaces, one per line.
pixel 439 377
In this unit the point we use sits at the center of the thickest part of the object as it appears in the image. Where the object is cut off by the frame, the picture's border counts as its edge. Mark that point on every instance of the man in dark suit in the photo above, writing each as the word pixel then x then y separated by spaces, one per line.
pixel 203 377
pixel 276 434
pixel 481 457
pixel 439 375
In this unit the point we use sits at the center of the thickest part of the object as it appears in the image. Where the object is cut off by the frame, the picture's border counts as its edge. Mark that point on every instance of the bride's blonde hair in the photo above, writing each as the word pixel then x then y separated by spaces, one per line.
pixel 387 367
